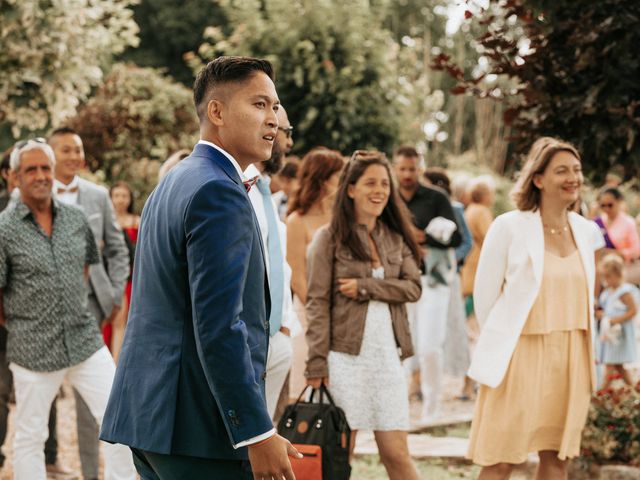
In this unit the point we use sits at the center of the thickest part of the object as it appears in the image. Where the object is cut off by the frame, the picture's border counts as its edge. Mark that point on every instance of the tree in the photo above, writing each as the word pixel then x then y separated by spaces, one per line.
pixel 168 30
pixel 577 70
pixel 334 67
pixel 135 120
pixel 53 53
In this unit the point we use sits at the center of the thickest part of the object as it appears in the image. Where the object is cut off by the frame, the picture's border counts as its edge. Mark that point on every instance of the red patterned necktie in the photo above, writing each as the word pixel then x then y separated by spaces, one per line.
pixel 250 183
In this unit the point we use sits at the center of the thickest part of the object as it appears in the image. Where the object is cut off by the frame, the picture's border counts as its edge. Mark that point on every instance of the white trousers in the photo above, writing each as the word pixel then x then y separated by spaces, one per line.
pixel 428 322
pixel 35 392
pixel 279 361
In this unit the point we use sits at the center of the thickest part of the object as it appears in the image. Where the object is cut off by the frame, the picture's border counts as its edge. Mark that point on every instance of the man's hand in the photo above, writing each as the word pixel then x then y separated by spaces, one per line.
pixel 270 459
pixel 114 313
pixel 348 287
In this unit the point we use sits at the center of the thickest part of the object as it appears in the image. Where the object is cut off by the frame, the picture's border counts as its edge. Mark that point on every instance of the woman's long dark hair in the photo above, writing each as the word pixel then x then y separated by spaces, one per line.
pixel 395 215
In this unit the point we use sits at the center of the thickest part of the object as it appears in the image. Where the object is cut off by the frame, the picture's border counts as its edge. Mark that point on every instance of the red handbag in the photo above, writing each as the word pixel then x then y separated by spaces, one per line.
pixel 310 466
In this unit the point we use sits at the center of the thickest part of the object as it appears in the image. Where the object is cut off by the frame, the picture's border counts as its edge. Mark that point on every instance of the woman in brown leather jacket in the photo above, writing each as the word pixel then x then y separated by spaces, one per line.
pixel 362 268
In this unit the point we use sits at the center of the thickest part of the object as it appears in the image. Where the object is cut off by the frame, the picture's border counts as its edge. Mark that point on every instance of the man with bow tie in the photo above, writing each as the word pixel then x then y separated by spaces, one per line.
pixel 107 278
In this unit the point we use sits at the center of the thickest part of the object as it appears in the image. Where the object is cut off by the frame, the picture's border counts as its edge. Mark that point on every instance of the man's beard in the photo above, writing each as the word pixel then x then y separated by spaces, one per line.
pixel 274 164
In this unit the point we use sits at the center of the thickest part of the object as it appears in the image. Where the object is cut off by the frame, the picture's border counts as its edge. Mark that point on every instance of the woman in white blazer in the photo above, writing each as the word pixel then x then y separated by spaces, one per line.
pixel 533 298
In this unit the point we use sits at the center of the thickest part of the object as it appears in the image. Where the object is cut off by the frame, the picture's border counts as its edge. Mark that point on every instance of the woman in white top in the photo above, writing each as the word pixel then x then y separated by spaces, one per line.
pixel 534 301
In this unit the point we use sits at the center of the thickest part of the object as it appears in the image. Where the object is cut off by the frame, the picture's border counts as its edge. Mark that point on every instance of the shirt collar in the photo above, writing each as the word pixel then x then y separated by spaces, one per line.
pixel 58 184
pixel 233 161
pixel 252 172
pixel 23 211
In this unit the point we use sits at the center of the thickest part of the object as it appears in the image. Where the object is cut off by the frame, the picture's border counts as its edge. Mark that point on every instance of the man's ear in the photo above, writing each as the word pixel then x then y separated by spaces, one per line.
pixel 214 112
pixel 13 179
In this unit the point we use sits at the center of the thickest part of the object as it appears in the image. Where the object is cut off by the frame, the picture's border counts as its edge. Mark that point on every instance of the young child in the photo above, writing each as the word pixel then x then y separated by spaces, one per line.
pixel 616 315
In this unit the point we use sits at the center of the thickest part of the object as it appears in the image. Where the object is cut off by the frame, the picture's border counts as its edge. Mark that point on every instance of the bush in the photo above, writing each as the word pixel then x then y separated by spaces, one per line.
pixel 612 433
pixel 53 53
pixel 135 120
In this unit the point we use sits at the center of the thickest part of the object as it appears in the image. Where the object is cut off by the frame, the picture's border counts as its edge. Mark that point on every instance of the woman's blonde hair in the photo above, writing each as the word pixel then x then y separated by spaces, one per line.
pixel 612 263
pixel 525 194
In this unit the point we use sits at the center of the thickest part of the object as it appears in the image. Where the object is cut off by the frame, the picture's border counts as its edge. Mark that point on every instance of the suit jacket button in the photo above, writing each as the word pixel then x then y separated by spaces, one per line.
pixel 266 325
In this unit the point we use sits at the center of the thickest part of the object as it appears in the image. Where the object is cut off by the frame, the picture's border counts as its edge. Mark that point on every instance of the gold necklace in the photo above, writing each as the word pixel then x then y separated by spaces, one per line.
pixel 557 231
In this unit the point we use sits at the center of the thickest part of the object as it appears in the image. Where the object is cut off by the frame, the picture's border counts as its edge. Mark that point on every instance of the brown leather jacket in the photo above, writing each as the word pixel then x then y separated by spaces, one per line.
pixel 336 322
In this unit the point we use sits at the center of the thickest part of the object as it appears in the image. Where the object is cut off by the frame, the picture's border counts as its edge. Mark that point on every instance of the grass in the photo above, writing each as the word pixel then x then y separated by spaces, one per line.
pixel 370 468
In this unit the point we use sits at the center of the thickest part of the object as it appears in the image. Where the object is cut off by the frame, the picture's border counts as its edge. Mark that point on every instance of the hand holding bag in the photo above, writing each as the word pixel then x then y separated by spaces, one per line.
pixel 321 433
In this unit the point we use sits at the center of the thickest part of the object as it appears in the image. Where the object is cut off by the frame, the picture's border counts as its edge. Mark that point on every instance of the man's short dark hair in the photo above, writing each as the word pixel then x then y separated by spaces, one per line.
pixel 406 151
pixel 63 131
pixel 226 70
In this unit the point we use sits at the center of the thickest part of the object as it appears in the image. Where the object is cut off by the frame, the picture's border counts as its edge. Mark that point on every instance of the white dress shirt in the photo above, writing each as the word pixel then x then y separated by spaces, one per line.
pixel 68 197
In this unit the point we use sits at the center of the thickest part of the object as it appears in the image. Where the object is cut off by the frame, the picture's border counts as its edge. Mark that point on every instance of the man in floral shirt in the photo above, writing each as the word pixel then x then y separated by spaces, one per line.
pixel 45 252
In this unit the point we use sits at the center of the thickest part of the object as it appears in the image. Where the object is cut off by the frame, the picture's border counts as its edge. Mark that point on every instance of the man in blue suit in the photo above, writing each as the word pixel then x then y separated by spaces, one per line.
pixel 188 397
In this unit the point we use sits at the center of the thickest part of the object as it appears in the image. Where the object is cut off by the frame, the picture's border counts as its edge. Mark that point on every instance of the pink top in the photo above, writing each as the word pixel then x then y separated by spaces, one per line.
pixel 624 235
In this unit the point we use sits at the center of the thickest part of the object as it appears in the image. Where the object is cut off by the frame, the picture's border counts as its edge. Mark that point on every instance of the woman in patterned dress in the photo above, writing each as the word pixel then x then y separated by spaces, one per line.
pixel 362 268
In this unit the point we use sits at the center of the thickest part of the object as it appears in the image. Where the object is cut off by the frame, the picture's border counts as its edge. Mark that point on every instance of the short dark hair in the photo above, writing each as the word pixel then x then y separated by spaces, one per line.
pixel 438 176
pixel 289 170
pixel 613 191
pixel 406 151
pixel 63 131
pixel 226 70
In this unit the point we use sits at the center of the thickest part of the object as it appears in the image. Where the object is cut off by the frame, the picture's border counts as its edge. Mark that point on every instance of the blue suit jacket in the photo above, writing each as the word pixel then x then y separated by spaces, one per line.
pixel 190 378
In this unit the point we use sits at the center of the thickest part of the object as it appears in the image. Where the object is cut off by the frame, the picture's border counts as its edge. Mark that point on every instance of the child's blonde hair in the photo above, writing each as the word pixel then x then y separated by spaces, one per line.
pixel 612 263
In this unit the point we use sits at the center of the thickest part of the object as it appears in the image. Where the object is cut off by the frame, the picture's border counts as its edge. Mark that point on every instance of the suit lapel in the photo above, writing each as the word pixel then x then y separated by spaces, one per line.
pixel 206 151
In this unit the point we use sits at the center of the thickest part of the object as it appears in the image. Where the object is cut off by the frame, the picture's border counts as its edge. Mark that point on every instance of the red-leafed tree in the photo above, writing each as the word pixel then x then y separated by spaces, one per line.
pixel 577 68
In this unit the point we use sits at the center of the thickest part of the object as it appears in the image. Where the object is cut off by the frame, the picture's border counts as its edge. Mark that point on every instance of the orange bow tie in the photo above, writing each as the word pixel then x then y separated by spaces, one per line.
pixel 67 190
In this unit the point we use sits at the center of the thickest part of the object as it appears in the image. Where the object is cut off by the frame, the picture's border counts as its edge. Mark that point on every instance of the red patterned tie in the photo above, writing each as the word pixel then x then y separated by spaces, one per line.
pixel 250 183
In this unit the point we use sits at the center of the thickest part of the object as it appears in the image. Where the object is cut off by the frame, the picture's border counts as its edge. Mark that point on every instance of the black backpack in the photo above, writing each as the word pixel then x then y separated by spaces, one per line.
pixel 321 424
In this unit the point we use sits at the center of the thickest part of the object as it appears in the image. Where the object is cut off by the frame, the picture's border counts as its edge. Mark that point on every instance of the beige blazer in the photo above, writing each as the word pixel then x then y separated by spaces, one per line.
pixel 508 281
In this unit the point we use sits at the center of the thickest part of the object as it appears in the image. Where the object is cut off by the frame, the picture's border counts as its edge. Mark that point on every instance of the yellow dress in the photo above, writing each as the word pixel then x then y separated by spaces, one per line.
pixel 543 401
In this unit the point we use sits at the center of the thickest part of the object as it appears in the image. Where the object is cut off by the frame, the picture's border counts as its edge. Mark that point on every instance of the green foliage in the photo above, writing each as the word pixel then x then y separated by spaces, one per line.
pixel 334 67
pixel 578 76
pixel 168 30
pixel 135 120
pixel 53 53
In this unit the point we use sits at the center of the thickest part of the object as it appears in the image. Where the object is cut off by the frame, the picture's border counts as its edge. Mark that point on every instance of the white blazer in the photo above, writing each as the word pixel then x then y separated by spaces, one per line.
pixel 508 281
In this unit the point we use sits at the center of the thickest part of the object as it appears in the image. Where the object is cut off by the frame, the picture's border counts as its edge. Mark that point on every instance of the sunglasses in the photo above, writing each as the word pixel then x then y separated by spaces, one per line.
pixel 606 205
pixel 288 131
pixel 22 143
pixel 365 154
